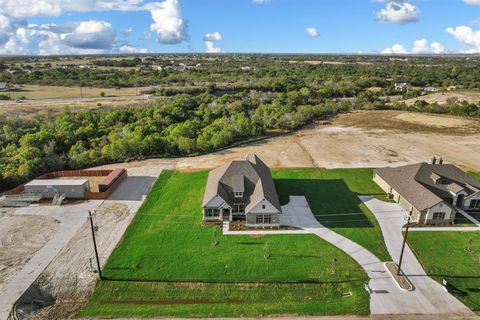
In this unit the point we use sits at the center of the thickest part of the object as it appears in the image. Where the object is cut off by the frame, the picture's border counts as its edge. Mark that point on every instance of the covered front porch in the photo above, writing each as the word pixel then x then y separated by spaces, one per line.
pixel 222 213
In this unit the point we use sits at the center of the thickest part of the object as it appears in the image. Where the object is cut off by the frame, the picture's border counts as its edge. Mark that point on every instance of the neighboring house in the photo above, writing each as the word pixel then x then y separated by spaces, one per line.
pixel 432 192
pixel 402 86
pixel 4 86
pixel 242 190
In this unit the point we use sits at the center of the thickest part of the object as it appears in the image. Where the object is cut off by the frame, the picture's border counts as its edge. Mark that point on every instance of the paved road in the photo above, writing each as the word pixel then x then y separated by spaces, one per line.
pixel 386 297
pixel 70 223
pixel 429 294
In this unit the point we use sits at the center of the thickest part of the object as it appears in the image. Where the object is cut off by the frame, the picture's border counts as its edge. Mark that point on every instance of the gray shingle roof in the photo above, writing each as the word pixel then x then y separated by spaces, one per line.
pixel 250 174
pixel 416 182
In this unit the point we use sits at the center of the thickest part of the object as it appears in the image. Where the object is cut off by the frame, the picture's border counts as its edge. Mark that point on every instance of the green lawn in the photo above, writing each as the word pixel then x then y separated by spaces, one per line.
pixel 167 241
pixel 444 255
pixel 332 198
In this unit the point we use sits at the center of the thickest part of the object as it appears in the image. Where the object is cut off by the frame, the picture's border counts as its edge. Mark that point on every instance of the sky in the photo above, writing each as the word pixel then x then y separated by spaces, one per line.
pixel 48 27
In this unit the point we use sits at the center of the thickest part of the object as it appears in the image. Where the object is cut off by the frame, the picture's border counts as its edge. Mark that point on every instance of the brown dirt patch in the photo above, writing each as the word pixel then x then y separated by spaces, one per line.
pixel 442 97
pixel 20 238
pixel 410 122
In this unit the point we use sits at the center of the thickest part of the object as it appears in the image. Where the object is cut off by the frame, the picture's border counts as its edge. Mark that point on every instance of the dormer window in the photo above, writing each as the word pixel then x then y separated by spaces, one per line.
pixel 238 194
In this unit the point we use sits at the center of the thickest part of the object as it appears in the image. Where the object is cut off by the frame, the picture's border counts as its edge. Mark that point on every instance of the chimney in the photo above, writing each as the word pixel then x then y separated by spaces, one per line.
pixel 440 160
pixel 434 160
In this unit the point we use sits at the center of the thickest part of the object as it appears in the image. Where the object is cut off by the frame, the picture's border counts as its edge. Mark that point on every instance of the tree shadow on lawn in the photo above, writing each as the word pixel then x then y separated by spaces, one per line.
pixel 331 201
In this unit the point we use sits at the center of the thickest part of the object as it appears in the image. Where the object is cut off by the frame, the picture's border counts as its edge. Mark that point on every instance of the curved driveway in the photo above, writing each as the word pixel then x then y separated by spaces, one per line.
pixel 386 297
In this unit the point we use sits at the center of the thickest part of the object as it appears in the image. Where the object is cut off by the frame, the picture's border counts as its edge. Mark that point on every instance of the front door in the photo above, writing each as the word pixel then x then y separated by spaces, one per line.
pixel 226 215
pixel 460 199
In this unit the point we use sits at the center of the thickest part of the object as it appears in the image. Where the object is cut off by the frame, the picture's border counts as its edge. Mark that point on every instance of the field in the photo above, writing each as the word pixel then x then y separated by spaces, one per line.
pixel 168 242
pixel 442 97
pixel 332 196
pixel 34 92
pixel 449 255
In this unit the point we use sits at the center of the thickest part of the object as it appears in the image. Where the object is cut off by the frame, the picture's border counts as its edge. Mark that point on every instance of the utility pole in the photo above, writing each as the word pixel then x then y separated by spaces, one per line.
pixel 404 242
pixel 90 217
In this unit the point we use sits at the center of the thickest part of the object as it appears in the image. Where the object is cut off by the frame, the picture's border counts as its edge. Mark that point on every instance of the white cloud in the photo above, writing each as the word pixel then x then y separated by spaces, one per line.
pixel 210 40
pixel 91 35
pixel 48 8
pixel 261 1
pixel 395 49
pixel 130 49
pixel 421 46
pixel 467 36
pixel 474 2
pixel 398 12
pixel 437 48
pixel 312 32
pixel 216 36
pixel 70 38
pixel 167 22
pixel 211 48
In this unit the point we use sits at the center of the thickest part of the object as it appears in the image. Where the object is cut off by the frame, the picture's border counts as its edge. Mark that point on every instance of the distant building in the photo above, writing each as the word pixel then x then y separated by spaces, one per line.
pixel 49 188
pixel 402 86
pixel 429 89
pixel 4 86
pixel 246 68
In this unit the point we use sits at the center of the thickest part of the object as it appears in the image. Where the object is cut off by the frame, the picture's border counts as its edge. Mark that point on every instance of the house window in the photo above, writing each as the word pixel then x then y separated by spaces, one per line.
pixel 263 206
pixel 211 213
pixel 438 215
pixel 264 219
pixel 238 208
pixel 238 194
pixel 475 204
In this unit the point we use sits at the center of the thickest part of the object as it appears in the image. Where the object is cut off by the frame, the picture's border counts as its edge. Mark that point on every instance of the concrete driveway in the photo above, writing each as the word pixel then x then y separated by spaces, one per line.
pixel 386 296
pixel 430 293
pixel 71 218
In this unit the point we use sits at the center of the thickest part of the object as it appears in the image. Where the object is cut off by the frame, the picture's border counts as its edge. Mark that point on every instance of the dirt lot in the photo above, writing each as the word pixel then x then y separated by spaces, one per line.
pixel 442 97
pixel 33 92
pixel 357 139
pixel 70 277
pixel 20 238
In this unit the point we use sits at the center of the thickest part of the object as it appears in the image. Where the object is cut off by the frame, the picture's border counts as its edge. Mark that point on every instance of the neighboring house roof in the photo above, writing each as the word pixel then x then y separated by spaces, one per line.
pixel 250 176
pixel 3 85
pixel 424 185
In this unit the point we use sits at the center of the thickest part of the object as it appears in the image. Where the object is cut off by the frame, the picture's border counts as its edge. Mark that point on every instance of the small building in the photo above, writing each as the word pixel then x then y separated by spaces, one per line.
pixel 242 190
pixel 402 86
pixel 4 86
pixel 433 192
pixel 72 188
pixel 429 89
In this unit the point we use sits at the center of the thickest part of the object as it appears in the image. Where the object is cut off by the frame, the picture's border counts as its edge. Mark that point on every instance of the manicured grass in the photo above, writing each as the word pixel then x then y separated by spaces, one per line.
pixel 445 255
pixel 168 241
pixel 332 196
pixel 133 299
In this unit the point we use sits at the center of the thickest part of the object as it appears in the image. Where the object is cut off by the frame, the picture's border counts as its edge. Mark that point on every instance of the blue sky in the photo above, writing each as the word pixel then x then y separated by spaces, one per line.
pixel 279 26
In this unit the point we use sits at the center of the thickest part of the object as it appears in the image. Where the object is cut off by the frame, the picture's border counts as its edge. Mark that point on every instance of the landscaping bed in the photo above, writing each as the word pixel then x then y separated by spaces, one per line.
pixel 241 226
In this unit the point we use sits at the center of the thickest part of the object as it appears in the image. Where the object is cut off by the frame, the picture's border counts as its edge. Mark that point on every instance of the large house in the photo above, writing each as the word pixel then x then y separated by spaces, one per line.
pixel 433 192
pixel 242 190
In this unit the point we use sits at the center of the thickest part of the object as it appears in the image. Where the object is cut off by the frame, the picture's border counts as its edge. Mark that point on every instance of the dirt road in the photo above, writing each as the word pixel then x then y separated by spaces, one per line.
pixel 358 139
